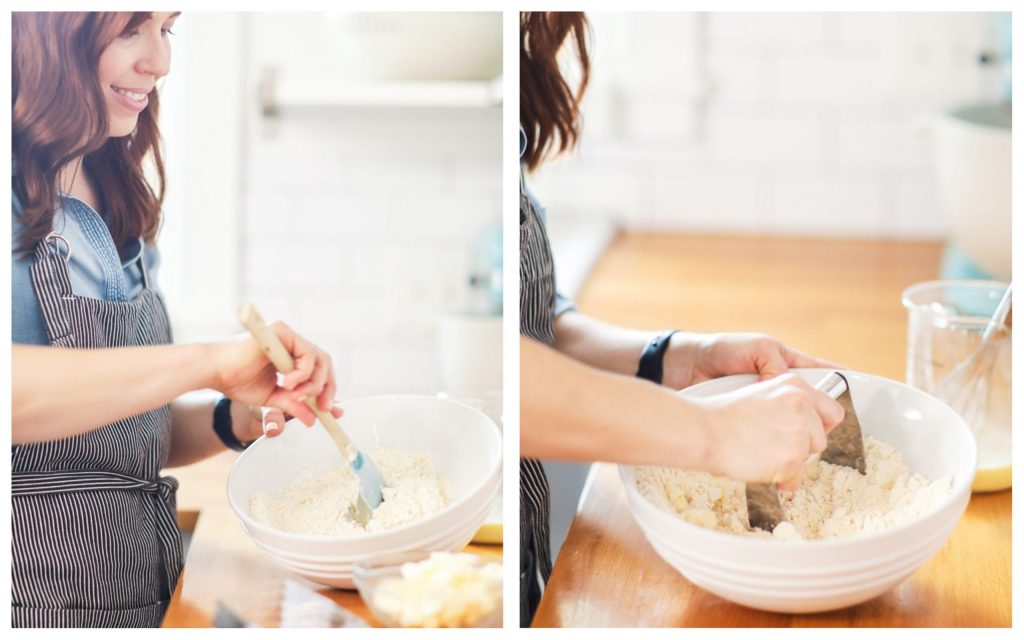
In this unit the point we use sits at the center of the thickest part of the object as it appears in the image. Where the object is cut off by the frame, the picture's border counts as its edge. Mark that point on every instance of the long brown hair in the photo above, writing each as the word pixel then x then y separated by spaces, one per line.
pixel 549 110
pixel 59 114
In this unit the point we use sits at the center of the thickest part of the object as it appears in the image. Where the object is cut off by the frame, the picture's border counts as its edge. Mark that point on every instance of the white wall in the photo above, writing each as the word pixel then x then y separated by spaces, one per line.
pixel 787 123
pixel 354 224
pixel 202 122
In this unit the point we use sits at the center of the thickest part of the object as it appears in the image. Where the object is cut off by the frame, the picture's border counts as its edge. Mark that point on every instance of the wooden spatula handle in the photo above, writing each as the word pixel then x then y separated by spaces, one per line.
pixel 283 361
pixel 266 338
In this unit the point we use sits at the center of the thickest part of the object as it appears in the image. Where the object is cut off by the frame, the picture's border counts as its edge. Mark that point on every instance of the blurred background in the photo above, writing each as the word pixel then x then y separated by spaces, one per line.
pixel 880 125
pixel 753 134
pixel 342 172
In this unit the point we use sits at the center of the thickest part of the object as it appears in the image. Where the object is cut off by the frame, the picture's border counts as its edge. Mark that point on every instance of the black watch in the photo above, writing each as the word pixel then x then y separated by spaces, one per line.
pixel 222 425
pixel 653 357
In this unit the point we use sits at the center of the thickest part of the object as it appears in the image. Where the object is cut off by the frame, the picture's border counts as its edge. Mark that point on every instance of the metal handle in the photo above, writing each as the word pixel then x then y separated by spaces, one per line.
pixel 834 384
pixel 283 361
pixel 998 318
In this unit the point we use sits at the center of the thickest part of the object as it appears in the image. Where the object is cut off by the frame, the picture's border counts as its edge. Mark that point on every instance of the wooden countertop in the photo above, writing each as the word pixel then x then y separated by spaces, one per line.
pixel 839 299
pixel 224 565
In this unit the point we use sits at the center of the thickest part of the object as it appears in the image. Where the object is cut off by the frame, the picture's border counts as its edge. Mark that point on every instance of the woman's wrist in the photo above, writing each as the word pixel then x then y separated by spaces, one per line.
pixel 211 368
pixel 680 433
pixel 679 361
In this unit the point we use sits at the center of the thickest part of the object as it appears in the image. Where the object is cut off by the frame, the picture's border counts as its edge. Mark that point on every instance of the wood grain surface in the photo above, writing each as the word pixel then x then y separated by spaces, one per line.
pixel 838 299
pixel 224 566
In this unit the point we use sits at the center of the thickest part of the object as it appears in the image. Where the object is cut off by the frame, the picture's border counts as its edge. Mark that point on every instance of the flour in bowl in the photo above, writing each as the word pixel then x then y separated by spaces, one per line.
pixel 832 501
pixel 319 505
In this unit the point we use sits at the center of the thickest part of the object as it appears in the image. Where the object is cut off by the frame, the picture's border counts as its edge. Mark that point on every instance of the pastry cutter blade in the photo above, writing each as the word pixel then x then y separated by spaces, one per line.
pixel 845 448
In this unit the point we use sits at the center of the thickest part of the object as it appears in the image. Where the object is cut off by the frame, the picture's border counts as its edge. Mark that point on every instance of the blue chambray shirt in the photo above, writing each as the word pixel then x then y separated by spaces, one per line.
pixel 97 271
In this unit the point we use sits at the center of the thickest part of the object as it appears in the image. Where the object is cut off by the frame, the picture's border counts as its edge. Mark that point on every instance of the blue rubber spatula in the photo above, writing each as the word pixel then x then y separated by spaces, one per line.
pixel 370 479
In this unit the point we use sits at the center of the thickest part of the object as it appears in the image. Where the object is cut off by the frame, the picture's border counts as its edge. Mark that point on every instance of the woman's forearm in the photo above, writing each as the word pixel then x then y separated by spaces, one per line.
pixel 192 434
pixel 571 411
pixel 599 344
pixel 59 393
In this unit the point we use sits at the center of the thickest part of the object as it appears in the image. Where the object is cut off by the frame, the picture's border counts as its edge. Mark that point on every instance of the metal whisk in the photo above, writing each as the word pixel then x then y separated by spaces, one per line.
pixel 966 387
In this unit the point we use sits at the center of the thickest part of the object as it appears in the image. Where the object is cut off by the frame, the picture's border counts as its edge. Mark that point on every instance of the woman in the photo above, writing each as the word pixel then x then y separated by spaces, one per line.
pixel 592 379
pixel 95 537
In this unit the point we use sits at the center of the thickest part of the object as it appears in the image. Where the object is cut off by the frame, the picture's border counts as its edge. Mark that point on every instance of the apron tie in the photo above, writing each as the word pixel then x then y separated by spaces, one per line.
pixel 165 487
pixel 34 483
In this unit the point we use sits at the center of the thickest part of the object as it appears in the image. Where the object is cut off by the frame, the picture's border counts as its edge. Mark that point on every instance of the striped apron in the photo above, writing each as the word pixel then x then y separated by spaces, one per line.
pixel 536 321
pixel 94 528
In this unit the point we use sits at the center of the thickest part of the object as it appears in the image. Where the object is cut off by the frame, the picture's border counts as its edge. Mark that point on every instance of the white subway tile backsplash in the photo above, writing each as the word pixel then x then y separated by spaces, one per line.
pixel 708 202
pixel 449 216
pixel 931 58
pixel 392 367
pixel 828 206
pixel 299 262
pixel 359 228
pixel 828 80
pixel 367 268
pixel 275 166
pixel 344 215
pixel 659 117
pixel 807 129
pixel 860 32
pixel 779 31
pixel 881 144
pixel 606 191
pixel 917 212
pixel 752 140
pixel 388 175
pixel 813 113
pixel 356 223
pixel 473 176
pixel 335 314
pixel 271 213
pixel 741 78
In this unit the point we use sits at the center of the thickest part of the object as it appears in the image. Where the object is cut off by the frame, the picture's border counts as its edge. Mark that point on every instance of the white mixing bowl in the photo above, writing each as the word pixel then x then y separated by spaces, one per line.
pixel 463 444
pixel 796 576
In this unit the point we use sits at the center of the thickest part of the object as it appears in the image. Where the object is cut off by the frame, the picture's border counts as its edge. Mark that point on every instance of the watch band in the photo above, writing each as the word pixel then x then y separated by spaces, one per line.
pixel 223 426
pixel 653 357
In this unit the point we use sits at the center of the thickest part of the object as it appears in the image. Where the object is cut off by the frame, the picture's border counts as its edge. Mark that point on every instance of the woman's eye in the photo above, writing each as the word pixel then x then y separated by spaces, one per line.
pixel 129 34
pixel 166 31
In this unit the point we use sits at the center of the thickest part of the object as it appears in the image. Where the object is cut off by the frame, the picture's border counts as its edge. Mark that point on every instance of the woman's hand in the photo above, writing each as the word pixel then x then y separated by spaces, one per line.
pixel 243 373
pixel 695 357
pixel 764 432
pixel 249 423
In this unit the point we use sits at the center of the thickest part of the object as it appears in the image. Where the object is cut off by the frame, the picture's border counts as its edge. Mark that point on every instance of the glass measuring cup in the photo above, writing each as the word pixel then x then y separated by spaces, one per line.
pixel 946 321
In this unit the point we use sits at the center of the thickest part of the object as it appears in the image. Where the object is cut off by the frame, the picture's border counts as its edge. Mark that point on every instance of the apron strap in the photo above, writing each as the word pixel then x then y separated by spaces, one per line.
pixel 52 281
pixel 142 265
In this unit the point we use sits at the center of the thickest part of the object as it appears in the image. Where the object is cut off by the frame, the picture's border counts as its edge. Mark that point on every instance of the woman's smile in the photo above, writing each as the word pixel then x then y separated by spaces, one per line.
pixel 134 99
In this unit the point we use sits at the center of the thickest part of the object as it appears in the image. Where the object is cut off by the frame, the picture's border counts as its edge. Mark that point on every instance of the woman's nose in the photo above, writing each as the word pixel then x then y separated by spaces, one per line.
pixel 156 59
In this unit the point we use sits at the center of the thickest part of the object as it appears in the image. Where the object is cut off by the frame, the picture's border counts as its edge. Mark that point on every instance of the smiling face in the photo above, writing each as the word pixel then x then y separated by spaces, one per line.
pixel 129 68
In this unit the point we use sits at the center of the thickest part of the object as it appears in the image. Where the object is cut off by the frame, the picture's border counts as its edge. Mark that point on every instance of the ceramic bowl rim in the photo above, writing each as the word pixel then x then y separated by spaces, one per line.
pixel 493 476
pixel 961 486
